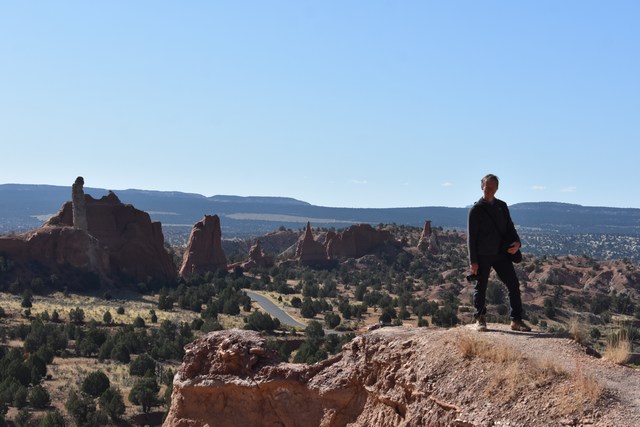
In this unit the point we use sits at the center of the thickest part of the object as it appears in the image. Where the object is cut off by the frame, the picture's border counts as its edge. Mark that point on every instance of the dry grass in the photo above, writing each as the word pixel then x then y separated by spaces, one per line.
pixel 589 388
pixel 577 330
pixel 94 308
pixel 68 373
pixel 514 373
pixel 618 349
pixel 472 346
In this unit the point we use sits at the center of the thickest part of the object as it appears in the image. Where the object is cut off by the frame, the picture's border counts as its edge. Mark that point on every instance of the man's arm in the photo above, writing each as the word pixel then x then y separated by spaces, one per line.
pixel 472 239
pixel 511 231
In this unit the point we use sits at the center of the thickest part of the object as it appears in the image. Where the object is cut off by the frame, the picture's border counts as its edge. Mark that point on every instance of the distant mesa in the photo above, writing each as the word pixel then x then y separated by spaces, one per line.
pixel 204 251
pixel 105 238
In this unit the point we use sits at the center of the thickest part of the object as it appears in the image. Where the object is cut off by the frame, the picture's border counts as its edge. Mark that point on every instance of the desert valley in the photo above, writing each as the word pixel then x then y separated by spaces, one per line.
pixel 106 320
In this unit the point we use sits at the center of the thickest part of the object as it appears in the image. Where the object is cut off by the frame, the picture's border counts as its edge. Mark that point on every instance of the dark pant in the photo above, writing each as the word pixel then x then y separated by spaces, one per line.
pixel 507 274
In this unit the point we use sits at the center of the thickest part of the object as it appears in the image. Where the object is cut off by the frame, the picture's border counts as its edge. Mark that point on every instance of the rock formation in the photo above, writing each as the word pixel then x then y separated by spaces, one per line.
pixel 134 243
pixel 308 251
pixel 257 258
pixel 58 251
pixel 394 377
pixel 204 251
pixel 79 205
pixel 354 242
pixel 105 237
pixel 357 241
pixel 428 240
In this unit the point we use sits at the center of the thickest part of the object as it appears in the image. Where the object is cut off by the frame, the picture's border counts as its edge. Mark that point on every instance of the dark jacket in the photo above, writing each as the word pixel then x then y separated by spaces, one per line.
pixel 483 237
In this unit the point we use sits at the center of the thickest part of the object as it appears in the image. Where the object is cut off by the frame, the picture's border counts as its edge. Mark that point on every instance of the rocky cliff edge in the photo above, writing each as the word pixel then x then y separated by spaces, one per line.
pixel 404 377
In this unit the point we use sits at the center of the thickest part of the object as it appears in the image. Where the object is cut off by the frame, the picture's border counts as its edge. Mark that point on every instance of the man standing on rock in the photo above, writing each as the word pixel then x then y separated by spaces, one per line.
pixel 489 222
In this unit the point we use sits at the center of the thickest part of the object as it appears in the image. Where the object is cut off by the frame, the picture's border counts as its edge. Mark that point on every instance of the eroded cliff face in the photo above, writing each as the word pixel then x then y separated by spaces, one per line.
pixel 55 250
pixel 134 243
pixel 404 376
pixel 231 378
pixel 354 242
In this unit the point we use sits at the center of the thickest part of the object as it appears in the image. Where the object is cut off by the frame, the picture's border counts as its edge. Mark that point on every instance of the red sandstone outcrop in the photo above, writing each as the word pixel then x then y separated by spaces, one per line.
pixel 428 240
pixel 257 258
pixel 354 242
pixel 357 241
pixel 55 249
pixel 309 251
pixel 112 240
pixel 204 251
pixel 399 377
pixel 79 204
pixel 134 243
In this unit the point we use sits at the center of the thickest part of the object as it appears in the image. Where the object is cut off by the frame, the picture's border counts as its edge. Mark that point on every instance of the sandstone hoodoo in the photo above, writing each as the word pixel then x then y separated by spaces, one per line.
pixel 257 258
pixel 204 251
pixel 79 205
pixel 114 241
pixel 309 251
pixel 428 240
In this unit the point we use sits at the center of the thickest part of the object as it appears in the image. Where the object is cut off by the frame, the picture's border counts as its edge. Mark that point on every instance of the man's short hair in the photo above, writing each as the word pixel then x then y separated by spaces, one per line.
pixel 487 178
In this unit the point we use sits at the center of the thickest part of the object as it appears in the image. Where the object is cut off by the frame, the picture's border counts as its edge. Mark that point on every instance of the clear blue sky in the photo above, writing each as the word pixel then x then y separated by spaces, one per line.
pixel 338 103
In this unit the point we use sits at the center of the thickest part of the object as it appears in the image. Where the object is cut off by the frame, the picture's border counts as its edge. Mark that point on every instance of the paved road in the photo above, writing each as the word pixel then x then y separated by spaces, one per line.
pixel 274 310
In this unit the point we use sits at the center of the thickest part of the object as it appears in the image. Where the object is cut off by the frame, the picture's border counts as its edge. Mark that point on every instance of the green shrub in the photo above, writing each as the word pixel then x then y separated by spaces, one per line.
pixel 95 383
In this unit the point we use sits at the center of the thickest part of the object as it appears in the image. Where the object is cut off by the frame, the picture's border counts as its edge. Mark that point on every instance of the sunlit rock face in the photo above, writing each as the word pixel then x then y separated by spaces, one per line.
pixel 204 251
pixel 113 241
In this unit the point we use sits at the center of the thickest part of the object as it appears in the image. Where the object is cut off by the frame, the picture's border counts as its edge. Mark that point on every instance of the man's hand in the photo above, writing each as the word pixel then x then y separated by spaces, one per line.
pixel 513 248
pixel 474 268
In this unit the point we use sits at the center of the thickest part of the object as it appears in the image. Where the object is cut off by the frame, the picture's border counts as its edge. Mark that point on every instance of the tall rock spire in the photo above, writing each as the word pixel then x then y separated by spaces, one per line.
pixel 428 240
pixel 308 251
pixel 79 205
pixel 204 251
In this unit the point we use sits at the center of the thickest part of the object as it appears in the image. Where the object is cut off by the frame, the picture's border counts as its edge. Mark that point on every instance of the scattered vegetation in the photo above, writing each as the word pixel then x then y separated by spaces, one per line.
pixel 108 355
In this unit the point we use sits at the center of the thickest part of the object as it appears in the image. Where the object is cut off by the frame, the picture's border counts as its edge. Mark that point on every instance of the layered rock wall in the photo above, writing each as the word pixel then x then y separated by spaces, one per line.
pixel 231 378
pixel 403 377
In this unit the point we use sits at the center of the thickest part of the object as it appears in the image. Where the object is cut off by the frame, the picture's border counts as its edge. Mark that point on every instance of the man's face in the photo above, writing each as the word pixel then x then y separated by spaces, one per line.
pixel 489 189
